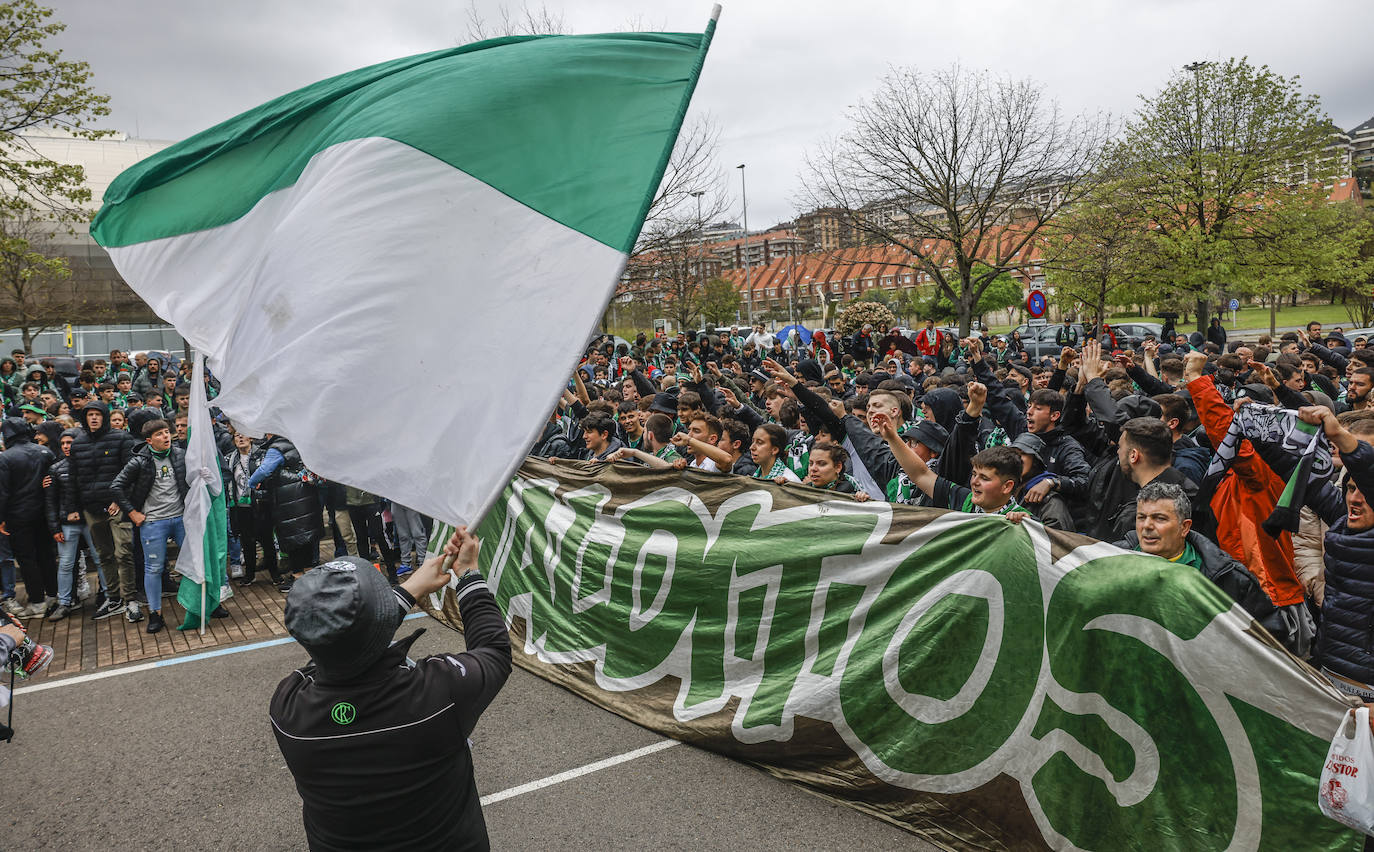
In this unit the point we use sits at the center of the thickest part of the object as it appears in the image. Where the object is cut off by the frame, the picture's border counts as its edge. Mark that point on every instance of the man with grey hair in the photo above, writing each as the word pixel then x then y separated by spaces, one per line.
pixel 1164 528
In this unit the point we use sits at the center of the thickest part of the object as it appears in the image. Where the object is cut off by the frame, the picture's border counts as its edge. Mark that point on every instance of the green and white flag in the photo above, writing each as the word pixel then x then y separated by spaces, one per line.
pixel 203 553
pixel 377 235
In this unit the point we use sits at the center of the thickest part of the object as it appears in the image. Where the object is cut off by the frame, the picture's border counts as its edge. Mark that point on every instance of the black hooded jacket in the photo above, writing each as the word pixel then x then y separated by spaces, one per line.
pixel 98 455
pixel 1064 457
pixel 23 465
pixel 360 777
pixel 945 404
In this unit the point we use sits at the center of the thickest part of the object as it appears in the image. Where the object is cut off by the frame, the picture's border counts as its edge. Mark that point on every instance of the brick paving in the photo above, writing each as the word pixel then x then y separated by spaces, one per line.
pixel 82 645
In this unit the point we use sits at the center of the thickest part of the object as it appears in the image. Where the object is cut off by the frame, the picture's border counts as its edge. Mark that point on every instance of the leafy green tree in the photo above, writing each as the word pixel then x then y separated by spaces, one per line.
pixel 1207 161
pixel 1324 246
pixel 1002 292
pixel 720 301
pixel 877 295
pixel 907 304
pixel 35 290
pixel 1097 250
pixel 40 198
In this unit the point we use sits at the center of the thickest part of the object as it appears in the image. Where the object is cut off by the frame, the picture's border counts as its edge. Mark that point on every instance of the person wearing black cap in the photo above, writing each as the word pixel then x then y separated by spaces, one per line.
pixel 758 380
pixel 927 439
pixel 1054 510
pixel 991 488
pixel 378 744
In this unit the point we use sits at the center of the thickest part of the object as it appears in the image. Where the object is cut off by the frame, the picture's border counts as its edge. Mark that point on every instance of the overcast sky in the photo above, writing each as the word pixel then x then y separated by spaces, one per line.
pixel 779 76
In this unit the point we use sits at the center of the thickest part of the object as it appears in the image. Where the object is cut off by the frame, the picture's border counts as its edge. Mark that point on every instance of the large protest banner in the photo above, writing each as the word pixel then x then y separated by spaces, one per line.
pixel 984 684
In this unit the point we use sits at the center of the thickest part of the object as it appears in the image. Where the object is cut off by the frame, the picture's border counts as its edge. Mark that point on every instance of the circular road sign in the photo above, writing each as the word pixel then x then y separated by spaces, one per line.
pixel 1035 304
pixel 1235 304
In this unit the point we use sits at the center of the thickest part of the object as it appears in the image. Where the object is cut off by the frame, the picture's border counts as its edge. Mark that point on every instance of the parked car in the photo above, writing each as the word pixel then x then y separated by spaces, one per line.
pixel 66 366
pixel 1355 333
pixel 1040 343
pixel 1130 335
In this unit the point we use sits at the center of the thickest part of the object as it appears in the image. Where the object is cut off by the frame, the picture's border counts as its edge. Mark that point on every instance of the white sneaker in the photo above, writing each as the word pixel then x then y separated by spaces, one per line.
pixel 134 612
pixel 13 607
pixel 35 610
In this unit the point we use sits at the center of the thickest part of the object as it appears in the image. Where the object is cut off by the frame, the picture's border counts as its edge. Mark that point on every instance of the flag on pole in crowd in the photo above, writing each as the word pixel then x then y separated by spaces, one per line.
pixel 203 553
pixel 1295 450
pixel 426 228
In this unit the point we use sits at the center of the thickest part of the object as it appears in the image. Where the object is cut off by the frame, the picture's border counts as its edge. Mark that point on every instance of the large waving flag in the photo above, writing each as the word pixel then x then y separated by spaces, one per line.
pixel 202 560
pixel 397 267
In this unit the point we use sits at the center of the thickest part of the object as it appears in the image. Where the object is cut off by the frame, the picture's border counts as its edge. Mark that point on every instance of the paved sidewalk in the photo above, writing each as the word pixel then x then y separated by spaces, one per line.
pixel 82 645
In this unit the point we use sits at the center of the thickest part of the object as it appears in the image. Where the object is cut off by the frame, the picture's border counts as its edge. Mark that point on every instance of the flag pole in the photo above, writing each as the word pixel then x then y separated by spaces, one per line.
pixel 202 606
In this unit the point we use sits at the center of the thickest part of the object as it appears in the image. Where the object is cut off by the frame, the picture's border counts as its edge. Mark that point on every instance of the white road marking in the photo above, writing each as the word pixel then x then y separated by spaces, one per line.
pixel 577 772
pixel 569 775
pixel 170 661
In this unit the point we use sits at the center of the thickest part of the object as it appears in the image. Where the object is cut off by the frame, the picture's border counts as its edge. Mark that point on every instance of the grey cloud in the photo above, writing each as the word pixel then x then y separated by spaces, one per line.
pixel 780 74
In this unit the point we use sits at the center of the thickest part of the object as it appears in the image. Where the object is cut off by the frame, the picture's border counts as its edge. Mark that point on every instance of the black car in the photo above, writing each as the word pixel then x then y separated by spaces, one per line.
pixel 1040 342
pixel 65 365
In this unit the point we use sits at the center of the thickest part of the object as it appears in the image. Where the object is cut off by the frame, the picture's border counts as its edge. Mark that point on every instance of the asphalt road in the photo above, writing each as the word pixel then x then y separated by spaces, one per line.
pixel 182 756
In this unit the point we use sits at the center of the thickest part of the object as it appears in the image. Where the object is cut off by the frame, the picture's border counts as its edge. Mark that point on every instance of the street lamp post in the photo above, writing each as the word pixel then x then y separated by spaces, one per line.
pixel 748 285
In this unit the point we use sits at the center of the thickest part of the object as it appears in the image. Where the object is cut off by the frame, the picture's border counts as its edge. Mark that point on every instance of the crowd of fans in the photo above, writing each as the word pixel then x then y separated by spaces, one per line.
pixel 1111 443
pixel 93 480
pixel 1126 446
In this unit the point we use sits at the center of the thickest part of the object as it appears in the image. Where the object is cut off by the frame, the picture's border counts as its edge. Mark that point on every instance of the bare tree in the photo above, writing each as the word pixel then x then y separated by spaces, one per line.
pixel 669 251
pixel 524 21
pixel 693 167
pixel 961 169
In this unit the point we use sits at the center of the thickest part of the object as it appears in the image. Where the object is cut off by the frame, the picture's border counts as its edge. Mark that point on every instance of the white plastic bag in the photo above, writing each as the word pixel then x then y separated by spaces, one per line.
pixel 1346 791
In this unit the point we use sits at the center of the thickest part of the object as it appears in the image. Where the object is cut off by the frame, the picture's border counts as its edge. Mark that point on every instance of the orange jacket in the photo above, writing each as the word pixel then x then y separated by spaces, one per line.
pixel 1246 496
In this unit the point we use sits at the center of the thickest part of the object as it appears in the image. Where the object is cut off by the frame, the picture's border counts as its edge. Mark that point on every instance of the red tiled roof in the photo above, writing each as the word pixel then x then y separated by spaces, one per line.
pixel 1345 189
pixel 867 265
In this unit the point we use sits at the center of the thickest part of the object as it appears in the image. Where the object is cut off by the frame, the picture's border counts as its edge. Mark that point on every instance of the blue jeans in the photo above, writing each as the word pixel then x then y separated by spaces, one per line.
pixel 154 535
pixel 72 535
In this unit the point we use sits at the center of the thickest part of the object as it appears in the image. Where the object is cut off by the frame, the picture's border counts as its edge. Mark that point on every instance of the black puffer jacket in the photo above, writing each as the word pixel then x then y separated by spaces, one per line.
pixel 98 455
pixel 1234 579
pixel 1345 643
pixel 135 481
pixel 23 465
pixel 60 498
pixel 294 503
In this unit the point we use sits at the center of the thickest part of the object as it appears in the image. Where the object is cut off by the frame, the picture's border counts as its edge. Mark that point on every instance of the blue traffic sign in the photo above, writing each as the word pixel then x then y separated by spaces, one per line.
pixel 1235 304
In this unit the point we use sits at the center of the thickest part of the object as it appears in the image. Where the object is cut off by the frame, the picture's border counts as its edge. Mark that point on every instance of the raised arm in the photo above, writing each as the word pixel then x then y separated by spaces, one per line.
pixel 916 470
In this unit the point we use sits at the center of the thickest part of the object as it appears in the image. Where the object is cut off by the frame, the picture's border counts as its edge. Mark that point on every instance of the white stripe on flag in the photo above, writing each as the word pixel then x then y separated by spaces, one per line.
pixel 202 477
pixel 343 313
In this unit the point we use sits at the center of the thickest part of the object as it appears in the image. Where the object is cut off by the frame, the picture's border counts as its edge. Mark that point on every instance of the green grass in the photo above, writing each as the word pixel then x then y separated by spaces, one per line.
pixel 1251 317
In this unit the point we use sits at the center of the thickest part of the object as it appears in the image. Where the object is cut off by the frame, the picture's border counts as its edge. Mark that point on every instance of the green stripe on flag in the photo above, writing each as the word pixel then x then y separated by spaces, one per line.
pixel 1301 471
pixel 215 546
pixel 567 125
